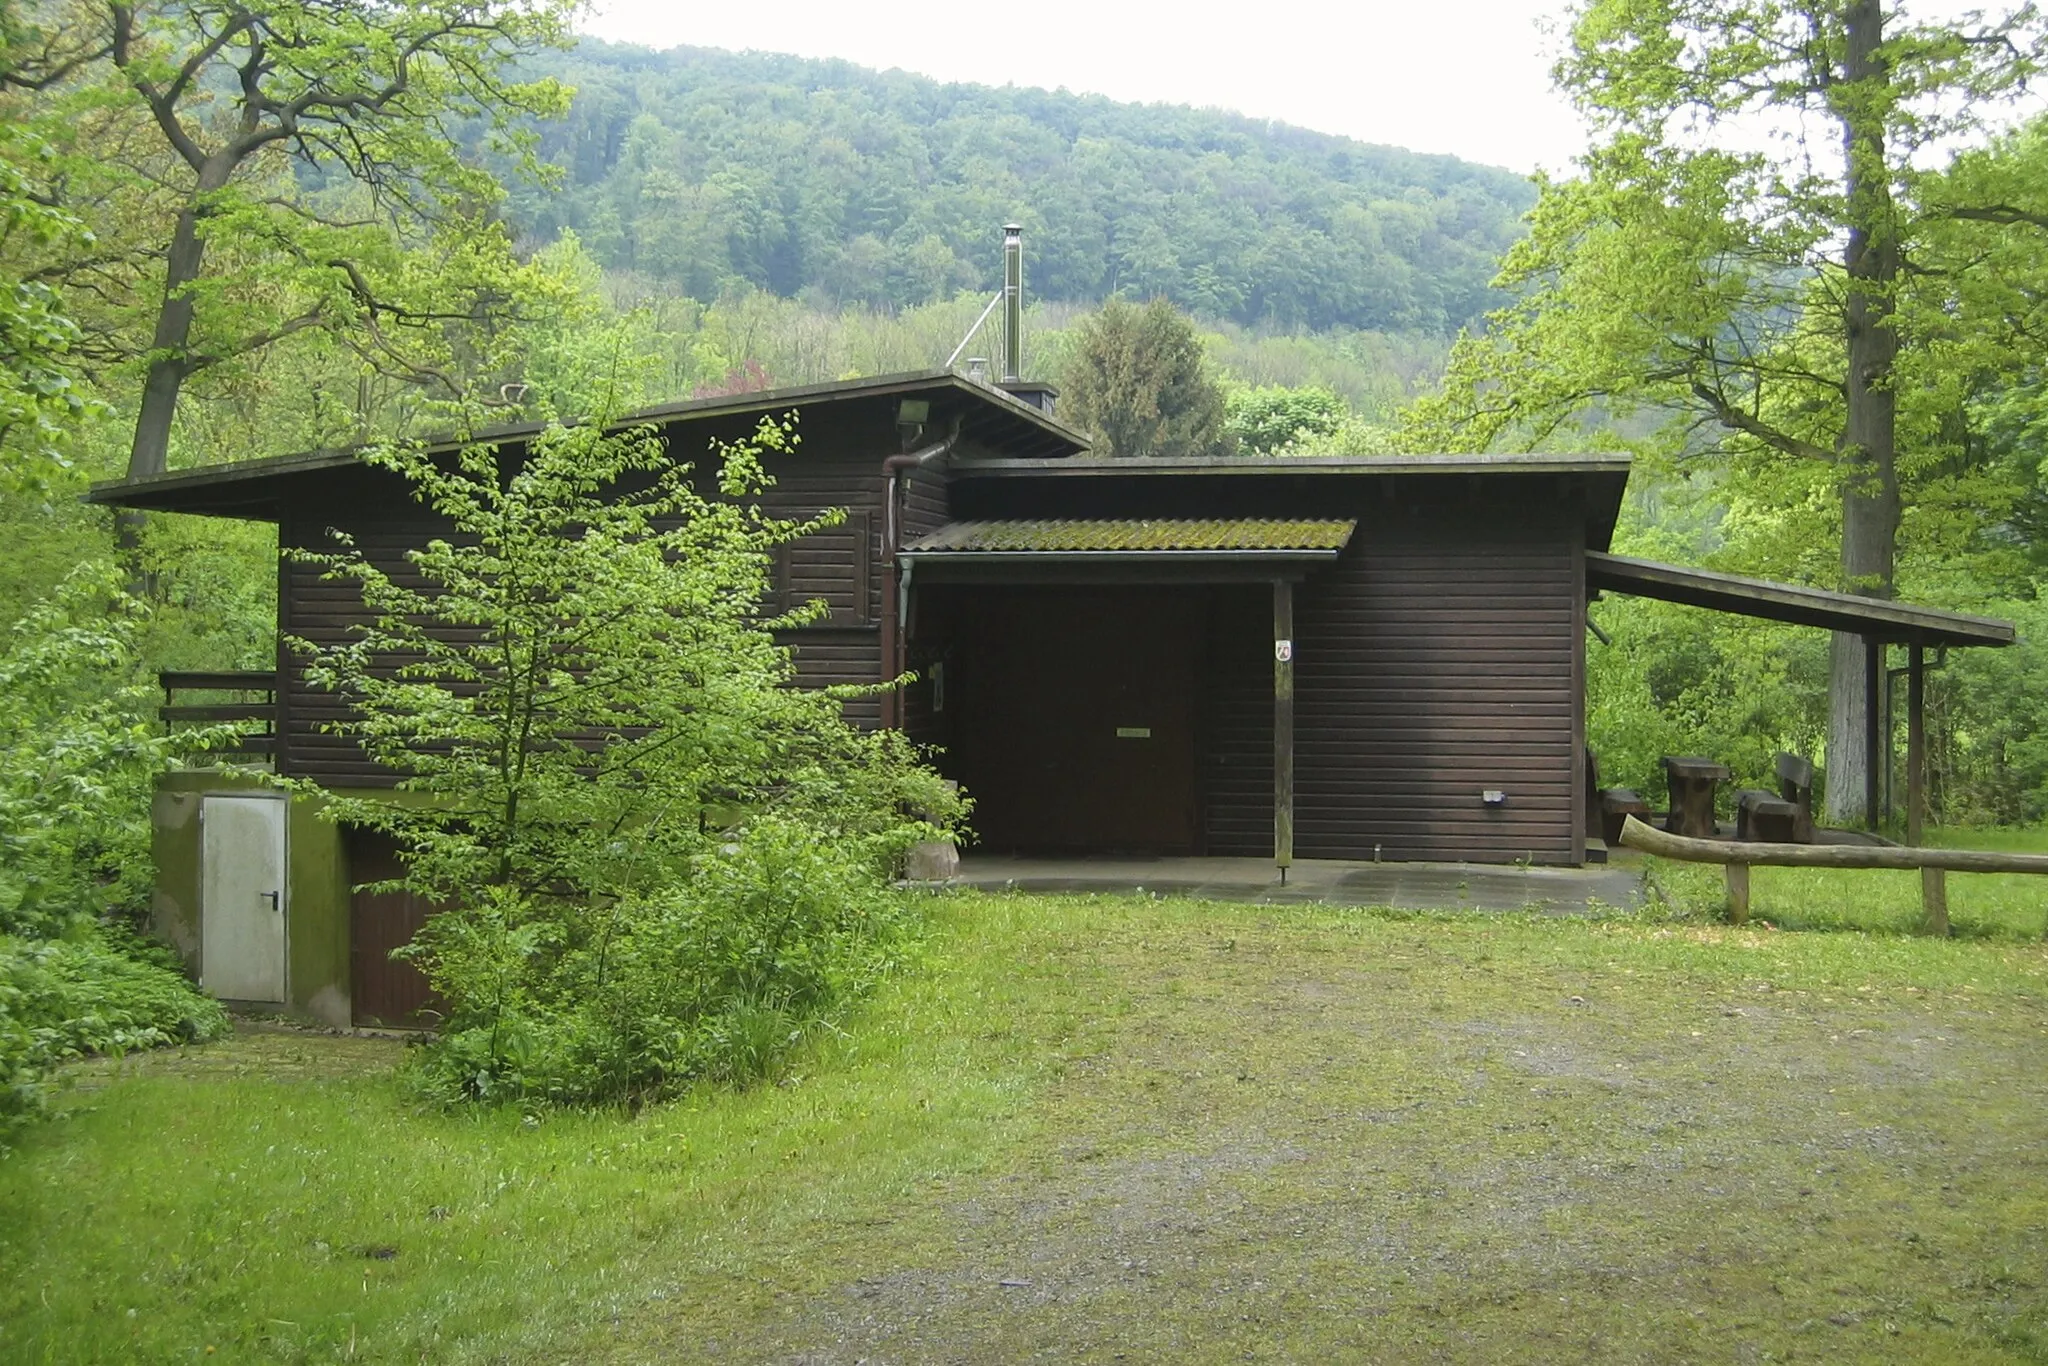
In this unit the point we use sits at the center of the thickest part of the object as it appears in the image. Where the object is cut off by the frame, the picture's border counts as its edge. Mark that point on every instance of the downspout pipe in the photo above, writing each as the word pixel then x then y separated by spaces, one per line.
pixel 893 470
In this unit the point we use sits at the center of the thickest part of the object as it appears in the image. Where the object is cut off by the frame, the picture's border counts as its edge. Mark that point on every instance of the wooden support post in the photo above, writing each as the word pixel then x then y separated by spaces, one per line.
pixel 1916 744
pixel 1738 893
pixel 1873 678
pixel 1283 725
pixel 1934 900
pixel 1933 881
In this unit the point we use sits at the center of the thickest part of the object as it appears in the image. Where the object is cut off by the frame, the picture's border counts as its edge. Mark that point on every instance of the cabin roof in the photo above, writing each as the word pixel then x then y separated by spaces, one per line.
pixel 248 488
pixel 1113 467
pixel 1879 619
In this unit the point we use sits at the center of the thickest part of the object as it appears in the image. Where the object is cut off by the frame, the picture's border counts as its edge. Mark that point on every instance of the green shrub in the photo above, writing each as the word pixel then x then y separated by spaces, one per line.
pixel 62 999
pixel 660 860
pixel 717 975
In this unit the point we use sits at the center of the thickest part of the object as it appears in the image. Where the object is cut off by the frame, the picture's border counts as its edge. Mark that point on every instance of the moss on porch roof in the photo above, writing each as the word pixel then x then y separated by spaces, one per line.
pixel 1253 534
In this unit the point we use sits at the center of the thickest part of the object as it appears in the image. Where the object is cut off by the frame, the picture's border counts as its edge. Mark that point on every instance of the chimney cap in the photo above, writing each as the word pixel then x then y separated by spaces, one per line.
pixel 1013 229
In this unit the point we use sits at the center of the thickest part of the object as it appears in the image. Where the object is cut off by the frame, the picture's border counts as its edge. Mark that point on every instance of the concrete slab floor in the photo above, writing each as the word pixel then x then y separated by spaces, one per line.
pixel 1408 886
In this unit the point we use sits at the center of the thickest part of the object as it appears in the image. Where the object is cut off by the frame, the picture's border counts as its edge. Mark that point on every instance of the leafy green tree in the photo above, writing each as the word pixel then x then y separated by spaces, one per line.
pixel 79 752
pixel 659 858
pixel 1269 418
pixel 289 166
pixel 1754 304
pixel 1135 377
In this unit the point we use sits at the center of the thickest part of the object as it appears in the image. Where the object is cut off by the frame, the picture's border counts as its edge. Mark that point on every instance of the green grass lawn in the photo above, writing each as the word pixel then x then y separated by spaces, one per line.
pixel 1103 1129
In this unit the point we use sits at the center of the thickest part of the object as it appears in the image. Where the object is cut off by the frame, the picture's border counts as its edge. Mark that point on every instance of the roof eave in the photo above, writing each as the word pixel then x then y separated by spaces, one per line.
pixel 1876 618
pixel 148 492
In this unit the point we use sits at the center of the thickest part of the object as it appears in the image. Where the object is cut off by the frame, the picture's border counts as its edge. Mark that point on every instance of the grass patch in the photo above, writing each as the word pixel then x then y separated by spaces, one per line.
pixel 1103 1127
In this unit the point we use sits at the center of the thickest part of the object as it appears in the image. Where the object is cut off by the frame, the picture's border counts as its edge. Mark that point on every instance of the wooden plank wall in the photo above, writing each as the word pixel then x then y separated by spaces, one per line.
pixel 1236 762
pixel 1432 664
pixel 328 613
pixel 835 467
pixel 925 509
pixel 846 647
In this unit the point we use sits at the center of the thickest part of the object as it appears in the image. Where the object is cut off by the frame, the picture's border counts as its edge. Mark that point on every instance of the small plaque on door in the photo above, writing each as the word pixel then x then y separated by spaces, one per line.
pixel 1134 732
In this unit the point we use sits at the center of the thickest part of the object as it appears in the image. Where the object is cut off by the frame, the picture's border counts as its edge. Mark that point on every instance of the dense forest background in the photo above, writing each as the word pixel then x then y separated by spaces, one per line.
pixel 705 171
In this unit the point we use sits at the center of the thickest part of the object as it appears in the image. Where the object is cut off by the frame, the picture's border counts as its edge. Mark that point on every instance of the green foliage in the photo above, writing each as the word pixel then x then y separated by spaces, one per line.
pixel 646 840
pixel 1135 378
pixel 1268 418
pixel 708 170
pixel 90 993
pixel 334 206
pixel 78 756
pixel 40 399
pixel 1989 714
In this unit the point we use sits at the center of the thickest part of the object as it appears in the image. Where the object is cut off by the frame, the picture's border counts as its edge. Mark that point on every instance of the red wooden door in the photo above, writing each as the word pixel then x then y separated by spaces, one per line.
pixel 1077 722
pixel 384 990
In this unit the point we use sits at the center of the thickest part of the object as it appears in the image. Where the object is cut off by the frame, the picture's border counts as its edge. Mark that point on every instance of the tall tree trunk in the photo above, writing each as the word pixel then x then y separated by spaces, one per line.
pixel 169 364
pixel 1868 449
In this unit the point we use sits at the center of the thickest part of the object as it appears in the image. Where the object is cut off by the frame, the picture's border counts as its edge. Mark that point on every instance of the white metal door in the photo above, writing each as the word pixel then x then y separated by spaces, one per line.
pixel 241 892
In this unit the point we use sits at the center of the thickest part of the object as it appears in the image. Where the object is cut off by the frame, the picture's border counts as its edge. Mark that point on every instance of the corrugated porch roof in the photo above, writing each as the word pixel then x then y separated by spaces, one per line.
pixel 1125 550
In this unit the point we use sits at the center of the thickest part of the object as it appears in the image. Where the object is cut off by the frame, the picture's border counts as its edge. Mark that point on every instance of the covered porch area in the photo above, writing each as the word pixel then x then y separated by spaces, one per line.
pixel 1881 625
pixel 1116 688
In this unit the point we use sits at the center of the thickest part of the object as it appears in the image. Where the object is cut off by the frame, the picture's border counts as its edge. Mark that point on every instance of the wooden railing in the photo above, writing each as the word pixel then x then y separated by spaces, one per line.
pixel 1739 857
pixel 256 703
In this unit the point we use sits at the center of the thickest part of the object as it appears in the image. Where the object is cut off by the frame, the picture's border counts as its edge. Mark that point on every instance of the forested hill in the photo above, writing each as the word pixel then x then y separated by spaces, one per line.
pixel 705 169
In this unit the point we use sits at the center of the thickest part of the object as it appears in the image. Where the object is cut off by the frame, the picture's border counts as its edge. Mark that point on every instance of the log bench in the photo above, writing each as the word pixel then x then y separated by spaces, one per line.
pixel 1617 804
pixel 1762 817
pixel 1795 785
pixel 1692 783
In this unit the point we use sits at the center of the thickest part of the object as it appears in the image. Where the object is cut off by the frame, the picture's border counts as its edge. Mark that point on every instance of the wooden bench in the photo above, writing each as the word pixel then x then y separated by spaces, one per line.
pixel 1692 782
pixel 1764 818
pixel 1795 785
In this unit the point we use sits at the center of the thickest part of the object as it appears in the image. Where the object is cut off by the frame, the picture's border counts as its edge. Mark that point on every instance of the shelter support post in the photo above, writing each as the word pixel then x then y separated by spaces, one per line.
pixel 1874 754
pixel 1283 725
pixel 1933 881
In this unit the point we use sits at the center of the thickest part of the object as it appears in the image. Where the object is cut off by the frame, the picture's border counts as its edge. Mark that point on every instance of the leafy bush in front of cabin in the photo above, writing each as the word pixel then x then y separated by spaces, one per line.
pixel 659 860
pixel 94 992
pixel 717 974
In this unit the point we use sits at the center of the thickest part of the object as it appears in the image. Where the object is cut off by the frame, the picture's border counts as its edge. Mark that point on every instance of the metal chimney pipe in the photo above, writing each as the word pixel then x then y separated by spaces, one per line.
pixel 1013 303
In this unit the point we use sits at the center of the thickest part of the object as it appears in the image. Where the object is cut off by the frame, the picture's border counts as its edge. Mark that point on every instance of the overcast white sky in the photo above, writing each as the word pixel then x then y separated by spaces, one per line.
pixel 1469 77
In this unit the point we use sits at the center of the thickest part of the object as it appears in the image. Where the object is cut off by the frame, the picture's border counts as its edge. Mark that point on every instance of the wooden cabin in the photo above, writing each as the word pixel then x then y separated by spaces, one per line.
pixel 1377 657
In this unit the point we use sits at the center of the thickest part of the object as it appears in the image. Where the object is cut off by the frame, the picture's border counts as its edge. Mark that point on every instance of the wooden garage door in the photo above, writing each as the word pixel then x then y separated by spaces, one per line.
pixel 1077 721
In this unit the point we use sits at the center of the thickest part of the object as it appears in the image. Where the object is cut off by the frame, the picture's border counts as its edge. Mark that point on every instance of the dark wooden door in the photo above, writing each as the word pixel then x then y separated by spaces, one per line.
pixel 384 990
pixel 1077 723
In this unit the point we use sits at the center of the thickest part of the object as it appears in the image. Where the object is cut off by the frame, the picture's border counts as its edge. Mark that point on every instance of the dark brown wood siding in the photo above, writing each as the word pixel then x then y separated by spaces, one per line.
pixel 384 990
pixel 838 465
pixel 927 628
pixel 1237 722
pixel 329 612
pixel 1434 663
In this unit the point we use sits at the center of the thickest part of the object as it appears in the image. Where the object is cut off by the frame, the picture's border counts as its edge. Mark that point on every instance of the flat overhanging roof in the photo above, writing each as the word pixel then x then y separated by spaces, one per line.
pixel 1879 619
pixel 1112 467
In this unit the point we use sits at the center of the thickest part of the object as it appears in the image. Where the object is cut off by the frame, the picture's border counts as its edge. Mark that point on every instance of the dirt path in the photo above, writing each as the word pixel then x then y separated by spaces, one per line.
pixel 1416 1146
